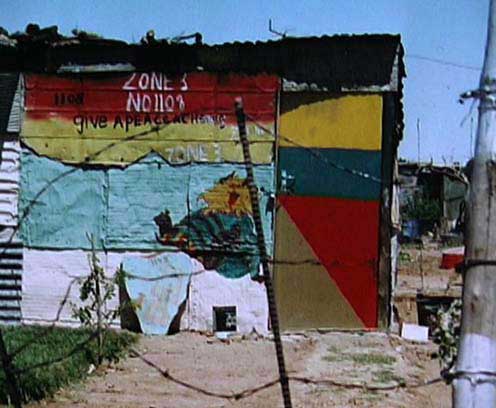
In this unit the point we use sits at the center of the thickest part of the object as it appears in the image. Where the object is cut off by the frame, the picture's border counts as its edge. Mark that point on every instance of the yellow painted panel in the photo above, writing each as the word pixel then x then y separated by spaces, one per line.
pixel 349 122
pixel 176 143
pixel 307 297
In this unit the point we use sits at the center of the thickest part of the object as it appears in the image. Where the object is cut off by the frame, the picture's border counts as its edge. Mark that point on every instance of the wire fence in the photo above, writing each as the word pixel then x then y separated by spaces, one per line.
pixel 248 392
pixel 8 356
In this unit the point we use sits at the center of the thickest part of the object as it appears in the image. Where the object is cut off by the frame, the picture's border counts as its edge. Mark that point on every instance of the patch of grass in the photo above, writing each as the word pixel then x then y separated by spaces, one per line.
pixel 48 345
pixel 359 358
pixel 370 397
pixel 332 358
pixel 405 257
pixel 387 376
pixel 372 358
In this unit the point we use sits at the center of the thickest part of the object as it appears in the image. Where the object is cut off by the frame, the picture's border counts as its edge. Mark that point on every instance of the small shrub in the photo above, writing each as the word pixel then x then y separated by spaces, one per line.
pixel 421 207
pixel 95 293
pixel 55 357
pixel 446 334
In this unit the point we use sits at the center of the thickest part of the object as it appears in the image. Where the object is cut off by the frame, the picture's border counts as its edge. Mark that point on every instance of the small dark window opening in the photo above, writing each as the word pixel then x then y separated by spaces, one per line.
pixel 225 318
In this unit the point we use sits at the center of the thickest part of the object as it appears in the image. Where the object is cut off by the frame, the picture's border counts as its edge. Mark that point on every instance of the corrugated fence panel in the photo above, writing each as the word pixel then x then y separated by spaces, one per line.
pixel 9 183
pixel 17 108
pixel 11 256
pixel 11 263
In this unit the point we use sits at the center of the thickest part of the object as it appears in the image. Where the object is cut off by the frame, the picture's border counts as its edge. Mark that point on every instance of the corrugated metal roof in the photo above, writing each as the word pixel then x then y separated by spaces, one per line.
pixel 17 108
pixel 335 62
pixel 331 62
pixel 340 63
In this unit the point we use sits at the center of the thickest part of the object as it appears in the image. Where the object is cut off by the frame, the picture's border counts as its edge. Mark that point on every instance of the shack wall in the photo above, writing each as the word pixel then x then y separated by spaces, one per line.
pixel 147 169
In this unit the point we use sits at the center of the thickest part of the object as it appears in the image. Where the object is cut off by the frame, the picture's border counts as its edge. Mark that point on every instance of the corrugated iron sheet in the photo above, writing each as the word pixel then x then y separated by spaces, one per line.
pixel 8 86
pixel 17 108
pixel 11 256
pixel 341 63
pixel 332 62
pixel 9 183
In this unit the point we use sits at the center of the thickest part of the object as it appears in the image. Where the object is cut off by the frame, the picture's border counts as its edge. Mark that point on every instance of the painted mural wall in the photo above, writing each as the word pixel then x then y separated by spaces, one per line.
pixel 327 223
pixel 150 167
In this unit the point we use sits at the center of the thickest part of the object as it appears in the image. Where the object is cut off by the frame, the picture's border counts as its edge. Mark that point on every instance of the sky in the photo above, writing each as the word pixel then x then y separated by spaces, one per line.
pixel 444 42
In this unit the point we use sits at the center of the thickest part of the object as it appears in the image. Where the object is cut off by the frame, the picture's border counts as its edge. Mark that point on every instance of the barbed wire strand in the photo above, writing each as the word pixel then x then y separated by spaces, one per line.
pixel 86 161
pixel 47 330
pixel 166 374
pixel 317 154
pixel 7 361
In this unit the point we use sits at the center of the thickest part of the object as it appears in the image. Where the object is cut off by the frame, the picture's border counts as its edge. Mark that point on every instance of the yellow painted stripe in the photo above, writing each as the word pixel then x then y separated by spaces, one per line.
pixel 176 143
pixel 349 122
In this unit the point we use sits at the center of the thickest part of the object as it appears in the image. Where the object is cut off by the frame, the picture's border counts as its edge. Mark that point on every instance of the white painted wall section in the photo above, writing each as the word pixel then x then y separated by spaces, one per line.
pixel 209 289
pixel 48 275
pixel 46 279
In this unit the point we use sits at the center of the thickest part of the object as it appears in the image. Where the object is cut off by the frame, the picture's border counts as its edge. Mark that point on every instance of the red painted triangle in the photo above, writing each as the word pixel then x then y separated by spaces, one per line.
pixel 344 234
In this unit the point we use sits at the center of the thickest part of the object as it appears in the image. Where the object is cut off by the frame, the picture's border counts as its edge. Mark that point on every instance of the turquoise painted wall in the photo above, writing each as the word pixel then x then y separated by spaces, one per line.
pixel 59 204
pixel 116 205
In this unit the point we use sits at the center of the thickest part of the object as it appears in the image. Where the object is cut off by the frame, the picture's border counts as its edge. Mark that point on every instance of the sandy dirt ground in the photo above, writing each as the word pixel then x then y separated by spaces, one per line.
pixel 241 363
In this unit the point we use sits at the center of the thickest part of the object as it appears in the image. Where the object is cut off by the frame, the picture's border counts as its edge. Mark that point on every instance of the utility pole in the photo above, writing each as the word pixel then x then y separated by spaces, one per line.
pixel 474 383
pixel 418 142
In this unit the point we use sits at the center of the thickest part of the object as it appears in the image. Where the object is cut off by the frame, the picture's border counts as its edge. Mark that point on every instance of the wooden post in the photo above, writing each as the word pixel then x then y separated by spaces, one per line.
pixel 474 383
pixel 264 259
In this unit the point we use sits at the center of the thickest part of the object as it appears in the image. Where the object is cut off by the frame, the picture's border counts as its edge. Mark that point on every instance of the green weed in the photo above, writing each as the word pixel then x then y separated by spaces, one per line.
pixel 47 345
